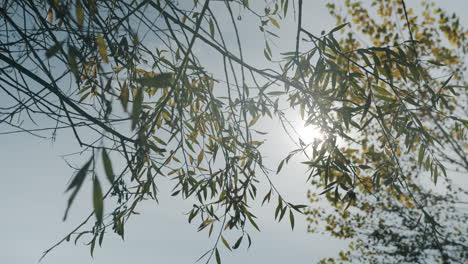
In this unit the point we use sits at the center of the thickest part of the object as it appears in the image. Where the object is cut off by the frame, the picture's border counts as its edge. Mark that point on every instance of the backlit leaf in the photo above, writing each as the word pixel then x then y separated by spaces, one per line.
pixel 98 200
pixel 102 48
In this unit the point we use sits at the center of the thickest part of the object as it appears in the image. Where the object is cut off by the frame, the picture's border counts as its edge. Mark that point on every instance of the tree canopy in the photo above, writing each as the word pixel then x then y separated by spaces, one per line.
pixel 130 80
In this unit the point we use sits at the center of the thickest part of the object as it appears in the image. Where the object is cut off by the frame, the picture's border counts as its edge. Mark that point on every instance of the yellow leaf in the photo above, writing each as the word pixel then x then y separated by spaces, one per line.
pixel 50 15
pixel 102 48
pixel 253 121
pixel 274 22
pixel 200 156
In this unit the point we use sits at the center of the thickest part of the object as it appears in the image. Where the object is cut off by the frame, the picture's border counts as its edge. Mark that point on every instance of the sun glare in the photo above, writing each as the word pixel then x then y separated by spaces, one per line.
pixel 309 133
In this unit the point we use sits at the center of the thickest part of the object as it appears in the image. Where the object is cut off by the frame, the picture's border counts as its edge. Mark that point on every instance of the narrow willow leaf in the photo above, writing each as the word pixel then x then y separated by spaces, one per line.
pixel 274 22
pixel 212 30
pixel 54 49
pixel 80 176
pixel 102 48
pixel 161 80
pixel 285 7
pixel 72 62
pixel 253 222
pixel 76 184
pixel 226 244
pixel 98 200
pixel 446 82
pixel 108 166
pixel 124 96
pixel 200 157
pixel 280 166
pixel 291 219
pixel 218 257
pixel 93 245
pixel 338 28
pixel 50 15
pixel 253 121
pixel 136 109
pixel 79 13
pixel 421 155
pixel 238 242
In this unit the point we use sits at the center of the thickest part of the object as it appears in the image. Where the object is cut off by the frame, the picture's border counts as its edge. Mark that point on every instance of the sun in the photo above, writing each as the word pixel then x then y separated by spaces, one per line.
pixel 308 133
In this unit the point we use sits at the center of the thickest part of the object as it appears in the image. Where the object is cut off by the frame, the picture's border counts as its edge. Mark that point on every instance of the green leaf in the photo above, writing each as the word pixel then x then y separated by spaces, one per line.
pixel 98 200
pixel 253 222
pixel 72 62
pixel 421 155
pixel 80 176
pixel 212 30
pixel 124 95
pixel 218 257
pixel 54 49
pixel 161 80
pixel 108 166
pixel 381 90
pixel 76 184
pixel 136 109
pixel 291 219
pixel 238 242
pixel 280 166
pixel 338 28
pixel 446 82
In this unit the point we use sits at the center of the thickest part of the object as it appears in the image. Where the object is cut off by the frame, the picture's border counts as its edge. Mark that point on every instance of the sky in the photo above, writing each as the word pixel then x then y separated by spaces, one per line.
pixel 34 178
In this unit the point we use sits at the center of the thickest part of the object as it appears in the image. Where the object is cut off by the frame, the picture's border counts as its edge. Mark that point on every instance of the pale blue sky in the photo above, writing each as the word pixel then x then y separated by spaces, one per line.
pixel 34 177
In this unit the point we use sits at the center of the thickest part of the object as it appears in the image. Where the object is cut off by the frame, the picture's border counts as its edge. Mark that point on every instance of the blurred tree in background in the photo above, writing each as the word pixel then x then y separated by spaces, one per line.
pixel 131 81
pixel 395 214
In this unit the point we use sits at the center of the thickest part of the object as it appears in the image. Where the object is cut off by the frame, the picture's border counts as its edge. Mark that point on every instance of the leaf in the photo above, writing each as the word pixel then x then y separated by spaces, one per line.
pixel 72 62
pixel 79 13
pixel 212 30
pixel 108 166
pixel 421 155
pixel 291 219
pixel 238 242
pixel 435 63
pixel 200 157
pixel 54 49
pixel 280 166
pixel 161 80
pixel 50 15
pixel 253 121
pixel 93 244
pixel 381 90
pixel 98 200
pixel 253 222
pixel 338 28
pixel 285 7
pixel 136 109
pixel 76 184
pixel 367 106
pixel 218 257
pixel 274 22
pixel 225 243
pixel 446 82
pixel 124 96
pixel 102 48
pixel 80 176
